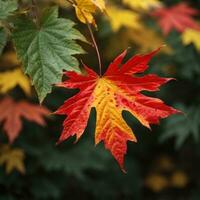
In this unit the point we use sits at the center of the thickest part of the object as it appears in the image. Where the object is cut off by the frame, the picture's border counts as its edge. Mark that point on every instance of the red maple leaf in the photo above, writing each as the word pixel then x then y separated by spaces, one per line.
pixel 117 90
pixel 178 17
pixel 11 113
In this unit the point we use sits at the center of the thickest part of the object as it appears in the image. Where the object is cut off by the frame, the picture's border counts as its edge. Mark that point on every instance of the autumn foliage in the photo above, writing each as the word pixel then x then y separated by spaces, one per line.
pixel 83 84
pixel 11 114
pixel 178 17
pixel 117 90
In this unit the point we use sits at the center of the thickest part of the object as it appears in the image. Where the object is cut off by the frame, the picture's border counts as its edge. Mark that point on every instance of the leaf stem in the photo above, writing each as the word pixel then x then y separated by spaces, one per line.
pixel 96 48
pixel 92 37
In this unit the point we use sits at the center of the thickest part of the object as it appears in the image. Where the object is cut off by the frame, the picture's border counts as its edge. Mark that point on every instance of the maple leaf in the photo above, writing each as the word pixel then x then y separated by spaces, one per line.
pixel 184 127
pixel 11 113
pixel 53 45
pixel 190 36
pixel 86 8
pixel 144 4
pixel 117 90
pixel 12 159
pixel 178 17
pixel 10 79
pixel 123 18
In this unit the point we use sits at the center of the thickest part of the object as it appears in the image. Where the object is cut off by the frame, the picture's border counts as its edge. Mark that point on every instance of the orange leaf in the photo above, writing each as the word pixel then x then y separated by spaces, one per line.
pixel 117 90
pixel 11 113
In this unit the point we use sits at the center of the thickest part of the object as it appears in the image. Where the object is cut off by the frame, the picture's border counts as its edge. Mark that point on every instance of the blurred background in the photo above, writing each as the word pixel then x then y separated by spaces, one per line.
pixel 163 165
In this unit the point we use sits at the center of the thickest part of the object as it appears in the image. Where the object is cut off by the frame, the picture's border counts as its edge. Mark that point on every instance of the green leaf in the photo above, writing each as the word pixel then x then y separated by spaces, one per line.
pixel 7 7
pixel 47 49
pixel 3 38
pixel 182 126
pixel 69 161
pixel 47 189
pixel 186 58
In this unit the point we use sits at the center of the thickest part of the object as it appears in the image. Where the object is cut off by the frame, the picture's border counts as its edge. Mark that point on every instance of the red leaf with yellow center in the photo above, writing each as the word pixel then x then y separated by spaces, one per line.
pixel 117 90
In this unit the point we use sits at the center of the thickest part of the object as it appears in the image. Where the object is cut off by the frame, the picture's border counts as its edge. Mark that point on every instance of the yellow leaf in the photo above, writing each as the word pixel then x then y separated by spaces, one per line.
pixel 164 163
pixel 139 39
pixel 10 79
pixel 12 159
pixel 179 179
pixel 156 182
pixel 191 36
pixel 85 10
pixel 122 17
pixel 100 4
pixel 142 4
pixel 147 39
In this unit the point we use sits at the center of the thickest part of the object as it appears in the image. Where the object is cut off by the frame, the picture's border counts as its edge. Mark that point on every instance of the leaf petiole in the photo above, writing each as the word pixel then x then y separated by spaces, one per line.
pixel 72 2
